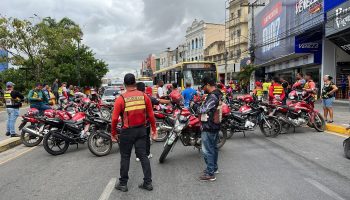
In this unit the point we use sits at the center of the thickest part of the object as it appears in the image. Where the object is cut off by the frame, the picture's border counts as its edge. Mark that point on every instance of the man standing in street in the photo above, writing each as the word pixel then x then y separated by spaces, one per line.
pixel 211 119
pixel 276 91
pixel 160 90
pixel 188 94
pixel 135 108
pixel 13 103
pixel 310 88
pixel 55 89
pixel 266 85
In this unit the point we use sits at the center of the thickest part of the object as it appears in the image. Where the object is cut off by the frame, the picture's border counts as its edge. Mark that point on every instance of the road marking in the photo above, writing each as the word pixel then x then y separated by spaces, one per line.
pixel 108 189
pixel 18 155
pixel 337 134
pixel 324 189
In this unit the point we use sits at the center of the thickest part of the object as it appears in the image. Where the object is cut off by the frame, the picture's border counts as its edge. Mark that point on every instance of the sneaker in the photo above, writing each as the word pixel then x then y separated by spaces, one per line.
pixel 15 135
pixel 146 186
pixel 8 133
pixel 150 156
pixel 206 177
pixel 123 188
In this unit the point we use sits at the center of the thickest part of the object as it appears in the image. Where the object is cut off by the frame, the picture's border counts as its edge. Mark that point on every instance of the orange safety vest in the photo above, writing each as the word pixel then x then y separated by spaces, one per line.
pixel 155 90
pixel 277 89
pixel 134 114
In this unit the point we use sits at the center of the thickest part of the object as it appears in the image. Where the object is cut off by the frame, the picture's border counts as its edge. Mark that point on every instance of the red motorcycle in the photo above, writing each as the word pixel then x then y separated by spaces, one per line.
pixel 164 121
pixel 299 112
pixel 187 128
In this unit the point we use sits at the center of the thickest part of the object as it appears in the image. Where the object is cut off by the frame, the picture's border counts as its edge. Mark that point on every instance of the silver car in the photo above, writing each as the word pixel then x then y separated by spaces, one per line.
pixel 109 95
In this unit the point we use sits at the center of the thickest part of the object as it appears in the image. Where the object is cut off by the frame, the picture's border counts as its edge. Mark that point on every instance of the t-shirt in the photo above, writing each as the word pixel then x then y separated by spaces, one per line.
pixel 266 86
pixel 160 91
pixel 327 88
pixel 188 94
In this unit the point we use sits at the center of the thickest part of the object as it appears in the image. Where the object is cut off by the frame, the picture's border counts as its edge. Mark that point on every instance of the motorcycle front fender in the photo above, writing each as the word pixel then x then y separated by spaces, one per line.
pixel 171 139
pixel 24 122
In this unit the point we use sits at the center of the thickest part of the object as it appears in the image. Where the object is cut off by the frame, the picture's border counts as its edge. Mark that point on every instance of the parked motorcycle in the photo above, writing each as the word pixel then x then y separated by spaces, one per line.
pixel 164 121
pixel 187 129
pixel 249 116
pixel 299 112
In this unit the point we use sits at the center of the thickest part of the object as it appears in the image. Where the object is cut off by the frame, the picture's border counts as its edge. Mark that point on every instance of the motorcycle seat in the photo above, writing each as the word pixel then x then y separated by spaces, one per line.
pixel 103 120
pixel 72 122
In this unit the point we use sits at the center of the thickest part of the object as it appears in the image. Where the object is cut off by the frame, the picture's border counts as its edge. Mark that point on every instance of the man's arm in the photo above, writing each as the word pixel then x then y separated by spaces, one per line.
pixel 271 92
pixel 19 95
pixel 149 109
pixel 119 103
pixel 209 104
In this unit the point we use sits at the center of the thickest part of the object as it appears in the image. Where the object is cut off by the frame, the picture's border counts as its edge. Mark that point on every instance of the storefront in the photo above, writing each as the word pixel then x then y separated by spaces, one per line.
pixel 338 34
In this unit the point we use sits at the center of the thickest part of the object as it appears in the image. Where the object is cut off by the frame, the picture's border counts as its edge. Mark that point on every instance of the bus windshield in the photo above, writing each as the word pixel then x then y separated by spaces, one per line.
pixel 195 77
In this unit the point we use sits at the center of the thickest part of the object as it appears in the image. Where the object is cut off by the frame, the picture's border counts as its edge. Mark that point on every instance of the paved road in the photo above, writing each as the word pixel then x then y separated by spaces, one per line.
pixel 303 165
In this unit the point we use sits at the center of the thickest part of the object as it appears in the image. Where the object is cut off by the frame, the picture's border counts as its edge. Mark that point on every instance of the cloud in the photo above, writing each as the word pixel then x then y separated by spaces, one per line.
pixel 123 32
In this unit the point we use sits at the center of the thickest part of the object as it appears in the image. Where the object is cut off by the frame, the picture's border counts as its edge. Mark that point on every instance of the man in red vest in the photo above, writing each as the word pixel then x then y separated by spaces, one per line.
pixel 276 91
pixel 134 108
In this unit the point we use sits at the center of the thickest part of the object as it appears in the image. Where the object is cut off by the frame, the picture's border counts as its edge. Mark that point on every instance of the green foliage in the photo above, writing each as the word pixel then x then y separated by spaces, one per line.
pixel 48 50
pixel 245 74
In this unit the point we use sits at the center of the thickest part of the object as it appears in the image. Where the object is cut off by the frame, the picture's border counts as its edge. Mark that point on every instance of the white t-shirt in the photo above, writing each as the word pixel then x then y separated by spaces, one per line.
pixel 160 91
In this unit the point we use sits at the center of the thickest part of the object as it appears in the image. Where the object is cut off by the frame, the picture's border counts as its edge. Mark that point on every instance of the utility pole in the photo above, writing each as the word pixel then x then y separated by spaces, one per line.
pixel 252 6
pixel 78 62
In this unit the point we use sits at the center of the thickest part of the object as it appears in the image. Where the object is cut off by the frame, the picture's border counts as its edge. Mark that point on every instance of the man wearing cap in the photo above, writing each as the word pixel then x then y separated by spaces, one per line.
pixel 13 103
pixel 135 108
pixel 37 98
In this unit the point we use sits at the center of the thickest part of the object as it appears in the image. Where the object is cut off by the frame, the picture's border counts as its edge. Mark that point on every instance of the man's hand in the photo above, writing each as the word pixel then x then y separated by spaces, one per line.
pixel 154 135
pixel 114 139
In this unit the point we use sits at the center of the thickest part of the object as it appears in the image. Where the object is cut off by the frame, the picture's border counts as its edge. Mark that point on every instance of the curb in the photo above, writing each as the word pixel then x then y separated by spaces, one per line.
pixel 337 129
pixel 9 143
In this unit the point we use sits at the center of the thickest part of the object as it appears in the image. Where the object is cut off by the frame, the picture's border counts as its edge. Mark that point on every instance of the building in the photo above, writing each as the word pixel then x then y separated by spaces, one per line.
pixel 148 65
pixel 237 36
pixel 167 58
pixel 215 53
pixel 199 36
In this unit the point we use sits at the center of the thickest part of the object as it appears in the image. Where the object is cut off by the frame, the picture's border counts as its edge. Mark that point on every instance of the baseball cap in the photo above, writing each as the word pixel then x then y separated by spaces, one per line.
pixel 9 84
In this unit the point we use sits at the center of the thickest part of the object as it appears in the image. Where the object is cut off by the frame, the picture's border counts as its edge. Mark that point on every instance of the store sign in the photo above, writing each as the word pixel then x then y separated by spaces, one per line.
pixel 271 25
pixel 338 19
pixel 311 6
pixel 330 4
pixel 310 42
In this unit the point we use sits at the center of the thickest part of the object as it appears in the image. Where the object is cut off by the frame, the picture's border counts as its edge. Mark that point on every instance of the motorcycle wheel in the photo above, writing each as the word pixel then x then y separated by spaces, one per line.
pixel 30 140
pixel 106 113
pixel 222 138
pixel 50 142
pixel 275 129
pixel 166 151
pixel 98 145
pixel 229 134
pixel 162 135
pixel 346 145
pixel 319 123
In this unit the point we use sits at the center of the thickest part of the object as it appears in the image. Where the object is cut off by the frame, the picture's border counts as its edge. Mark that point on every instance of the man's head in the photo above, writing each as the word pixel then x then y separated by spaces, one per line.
pixel 56 80
pixel 10 85
pixel 208 84
pixel 64 84
pixel 276 80
pixel 141 86
pixel 174 85
pixel 129 80
pixel 160 83
pixel 38 86
pixel 188 84
pixel 308 76
pixel 299 76
pixel 45 86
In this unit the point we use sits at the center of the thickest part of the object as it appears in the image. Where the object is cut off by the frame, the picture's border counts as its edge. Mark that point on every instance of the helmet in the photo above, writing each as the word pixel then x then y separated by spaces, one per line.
pixel 175 97
pixel 169 87
pixel 293 95
pixel 248 98
pixel 258 83
pixel 86 100
pixel 148 91
pixel 33 111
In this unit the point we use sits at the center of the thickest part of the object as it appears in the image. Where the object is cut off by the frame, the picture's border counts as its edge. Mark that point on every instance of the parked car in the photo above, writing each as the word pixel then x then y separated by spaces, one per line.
pixel 110 94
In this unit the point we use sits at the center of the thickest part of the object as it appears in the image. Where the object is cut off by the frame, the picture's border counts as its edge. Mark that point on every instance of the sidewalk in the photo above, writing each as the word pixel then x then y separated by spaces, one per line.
pixel 341 117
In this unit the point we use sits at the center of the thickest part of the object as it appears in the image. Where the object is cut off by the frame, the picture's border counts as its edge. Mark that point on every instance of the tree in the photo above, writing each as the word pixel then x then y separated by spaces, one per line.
pixel 48 50
pixel 245 74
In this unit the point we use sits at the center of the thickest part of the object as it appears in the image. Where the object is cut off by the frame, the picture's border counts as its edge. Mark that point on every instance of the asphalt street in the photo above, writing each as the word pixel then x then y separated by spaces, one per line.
pixel 302 165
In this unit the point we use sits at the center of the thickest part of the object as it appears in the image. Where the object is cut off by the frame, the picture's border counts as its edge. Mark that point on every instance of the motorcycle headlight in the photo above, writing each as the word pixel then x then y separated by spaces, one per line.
pixel 179 126
pixel 182 119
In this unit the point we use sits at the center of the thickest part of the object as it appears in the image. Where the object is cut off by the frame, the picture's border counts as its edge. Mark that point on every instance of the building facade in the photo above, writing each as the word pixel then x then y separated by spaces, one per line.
pixel 215 53
pixel 167 58
pixel 199 36
pixel 148 65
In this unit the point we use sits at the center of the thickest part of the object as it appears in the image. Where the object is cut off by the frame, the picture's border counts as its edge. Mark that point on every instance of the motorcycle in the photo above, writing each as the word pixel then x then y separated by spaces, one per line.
pixel 249 116
pixel 299 112
pixel 164 121
pixel 187 129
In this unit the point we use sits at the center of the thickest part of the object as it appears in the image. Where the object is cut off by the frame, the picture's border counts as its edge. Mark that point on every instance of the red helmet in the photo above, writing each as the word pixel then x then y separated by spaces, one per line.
pixel 33 111
pixel 148 91
pixel 258 83
pixel 248 98
pixel 175 96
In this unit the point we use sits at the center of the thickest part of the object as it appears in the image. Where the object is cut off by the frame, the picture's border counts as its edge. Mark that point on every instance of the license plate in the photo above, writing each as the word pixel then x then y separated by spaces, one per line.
pixel 22 125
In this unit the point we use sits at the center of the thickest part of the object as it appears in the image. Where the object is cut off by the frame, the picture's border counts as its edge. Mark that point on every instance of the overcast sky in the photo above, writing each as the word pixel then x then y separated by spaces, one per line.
pixel 124 32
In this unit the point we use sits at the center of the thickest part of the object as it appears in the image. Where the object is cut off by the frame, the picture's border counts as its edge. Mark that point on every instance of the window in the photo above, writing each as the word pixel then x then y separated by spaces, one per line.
pixel 238 13
pixel 196 58
pixel 192 59
pixel 239 33
pixel 192 44
pixel 196 43
pixel 239 52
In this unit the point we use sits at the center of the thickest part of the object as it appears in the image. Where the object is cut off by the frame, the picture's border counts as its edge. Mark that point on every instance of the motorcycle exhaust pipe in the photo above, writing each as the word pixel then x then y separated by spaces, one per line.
pixel 31 131
pixel 63 137
pixel 165 128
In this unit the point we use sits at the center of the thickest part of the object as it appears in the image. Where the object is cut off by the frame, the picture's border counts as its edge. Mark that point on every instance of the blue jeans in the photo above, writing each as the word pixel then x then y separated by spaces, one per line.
pixel 210 151
pixel 12 113
pixel 40 107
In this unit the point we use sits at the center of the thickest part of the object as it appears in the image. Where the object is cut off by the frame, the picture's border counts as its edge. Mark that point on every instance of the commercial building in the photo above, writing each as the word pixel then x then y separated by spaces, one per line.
pixel 237 39
pixel 199 36
pixel 167 58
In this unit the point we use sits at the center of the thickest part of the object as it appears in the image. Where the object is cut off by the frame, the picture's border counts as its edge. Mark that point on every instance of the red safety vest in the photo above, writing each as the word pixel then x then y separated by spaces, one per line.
pixel 134 114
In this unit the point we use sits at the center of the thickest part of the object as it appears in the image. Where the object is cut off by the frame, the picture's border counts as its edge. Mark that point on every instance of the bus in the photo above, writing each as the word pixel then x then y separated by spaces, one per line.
pixel 146 80
pixel 192 72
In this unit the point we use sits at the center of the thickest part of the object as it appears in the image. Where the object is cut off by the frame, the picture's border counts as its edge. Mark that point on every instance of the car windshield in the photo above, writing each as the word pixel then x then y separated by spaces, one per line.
pixel 109 92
